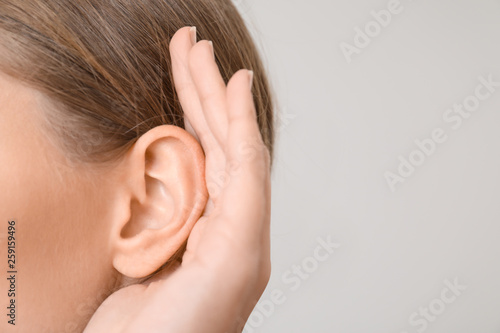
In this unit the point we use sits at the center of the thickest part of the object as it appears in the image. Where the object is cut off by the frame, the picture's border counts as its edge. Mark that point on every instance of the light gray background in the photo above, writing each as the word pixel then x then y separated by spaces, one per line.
pixel 342 126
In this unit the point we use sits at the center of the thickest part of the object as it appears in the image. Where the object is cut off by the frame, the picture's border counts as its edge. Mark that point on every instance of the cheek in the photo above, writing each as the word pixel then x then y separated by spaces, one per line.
pixel 60 233
pixel 62 255
pixel 32 192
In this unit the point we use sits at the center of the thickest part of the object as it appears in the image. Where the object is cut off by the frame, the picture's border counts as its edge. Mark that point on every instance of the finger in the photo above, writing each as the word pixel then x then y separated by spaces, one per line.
pixel 180 46
pixel 211 88
pixel 246 199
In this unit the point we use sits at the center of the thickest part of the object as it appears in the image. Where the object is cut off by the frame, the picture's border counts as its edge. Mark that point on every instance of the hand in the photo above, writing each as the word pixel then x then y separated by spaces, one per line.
pixel 226 266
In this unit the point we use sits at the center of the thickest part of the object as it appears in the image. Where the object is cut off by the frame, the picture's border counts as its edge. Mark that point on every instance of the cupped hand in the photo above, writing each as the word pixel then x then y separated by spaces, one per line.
pixel 226 266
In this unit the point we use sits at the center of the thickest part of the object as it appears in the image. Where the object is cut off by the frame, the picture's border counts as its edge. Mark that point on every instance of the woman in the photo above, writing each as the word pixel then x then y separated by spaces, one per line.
pixel 135 166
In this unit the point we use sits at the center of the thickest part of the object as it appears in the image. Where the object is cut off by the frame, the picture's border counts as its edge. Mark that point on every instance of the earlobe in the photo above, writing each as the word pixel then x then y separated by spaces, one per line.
pixel 164 195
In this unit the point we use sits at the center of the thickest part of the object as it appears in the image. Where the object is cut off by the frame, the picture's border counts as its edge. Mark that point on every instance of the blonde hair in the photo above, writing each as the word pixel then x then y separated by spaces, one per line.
pixel 105 68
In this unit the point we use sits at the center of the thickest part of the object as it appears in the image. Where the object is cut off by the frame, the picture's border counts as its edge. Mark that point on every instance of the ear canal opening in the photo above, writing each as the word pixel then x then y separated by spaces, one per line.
pixel 154 214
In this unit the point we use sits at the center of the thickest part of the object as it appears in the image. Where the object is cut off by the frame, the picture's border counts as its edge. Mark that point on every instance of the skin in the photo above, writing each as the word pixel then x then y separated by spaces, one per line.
pixel 50 204
pixel 84 230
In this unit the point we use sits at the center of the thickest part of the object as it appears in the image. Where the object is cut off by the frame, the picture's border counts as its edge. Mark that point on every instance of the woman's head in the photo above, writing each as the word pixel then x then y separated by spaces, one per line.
pixel 105 65
pixel 89 171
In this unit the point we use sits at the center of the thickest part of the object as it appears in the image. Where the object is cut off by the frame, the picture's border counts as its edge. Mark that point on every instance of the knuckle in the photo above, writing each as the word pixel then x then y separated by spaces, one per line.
pixel 212 97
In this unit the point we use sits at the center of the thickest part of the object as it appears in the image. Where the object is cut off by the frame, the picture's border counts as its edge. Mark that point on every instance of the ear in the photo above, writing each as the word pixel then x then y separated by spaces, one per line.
pixel 162 196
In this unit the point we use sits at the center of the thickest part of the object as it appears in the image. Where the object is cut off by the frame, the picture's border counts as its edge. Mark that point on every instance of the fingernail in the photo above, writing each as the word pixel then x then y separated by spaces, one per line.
pixel 212 47
pixel 192 31
pixel 250 77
